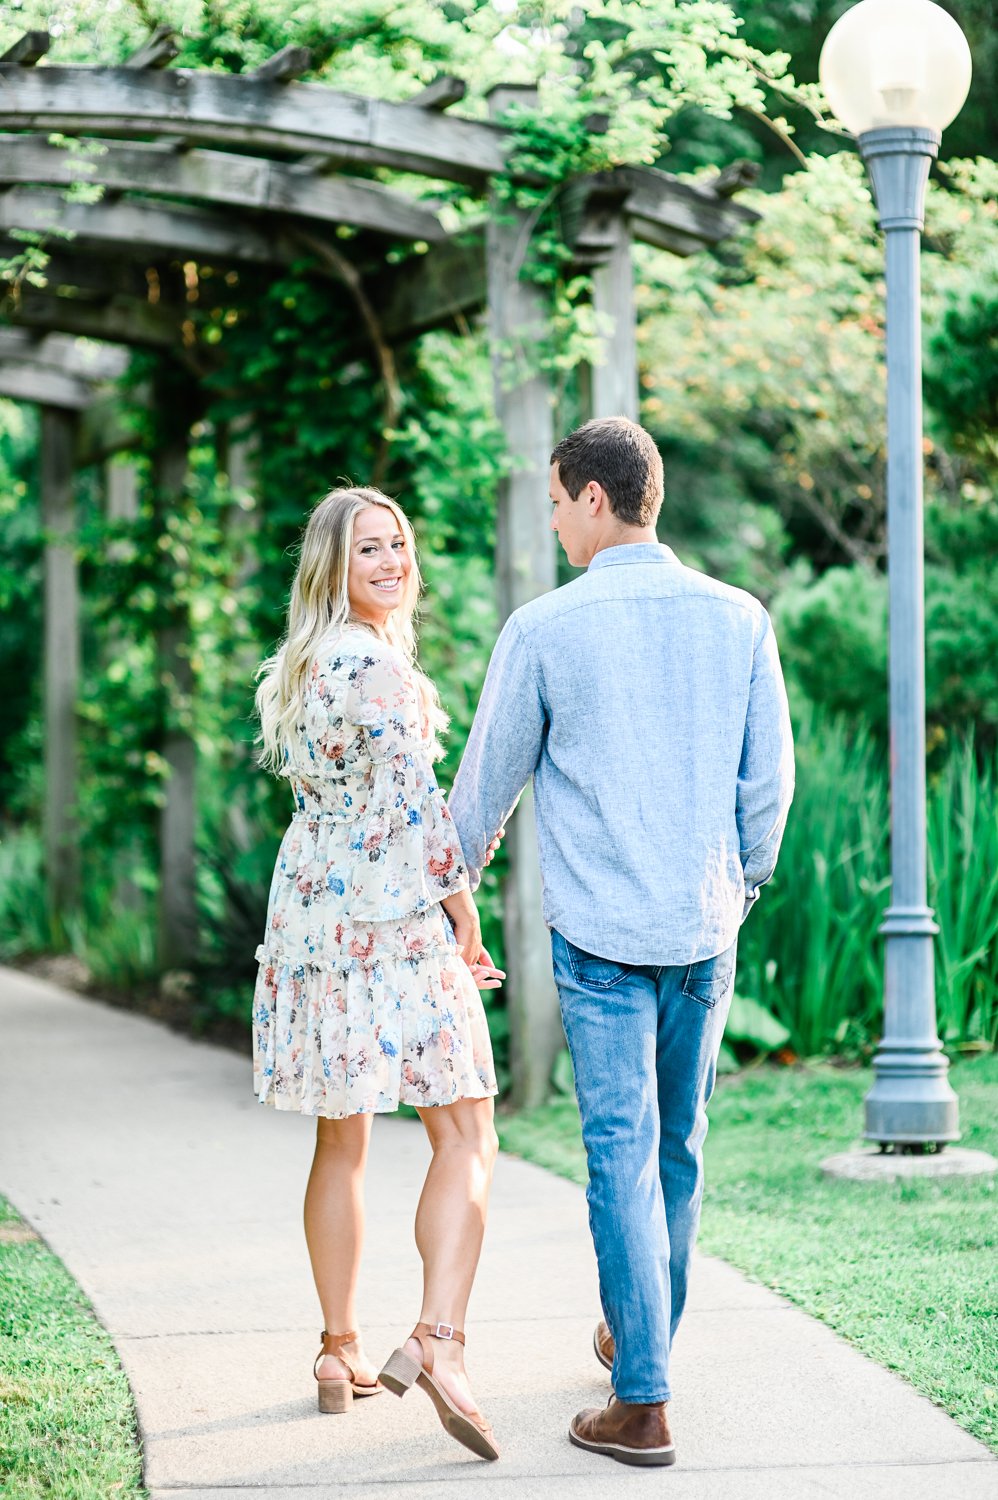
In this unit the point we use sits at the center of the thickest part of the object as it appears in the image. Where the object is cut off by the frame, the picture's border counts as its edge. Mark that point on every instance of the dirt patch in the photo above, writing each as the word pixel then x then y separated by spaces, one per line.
pixel 15 1233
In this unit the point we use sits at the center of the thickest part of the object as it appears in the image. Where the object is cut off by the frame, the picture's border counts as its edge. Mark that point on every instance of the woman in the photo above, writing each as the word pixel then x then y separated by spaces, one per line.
pixel 364 998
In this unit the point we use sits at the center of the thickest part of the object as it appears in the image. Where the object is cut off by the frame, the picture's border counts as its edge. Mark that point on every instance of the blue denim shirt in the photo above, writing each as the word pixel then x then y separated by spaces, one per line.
pixel 646 700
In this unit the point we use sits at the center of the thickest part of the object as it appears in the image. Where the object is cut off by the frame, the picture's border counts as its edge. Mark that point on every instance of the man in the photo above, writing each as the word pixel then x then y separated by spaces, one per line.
pixel 646 701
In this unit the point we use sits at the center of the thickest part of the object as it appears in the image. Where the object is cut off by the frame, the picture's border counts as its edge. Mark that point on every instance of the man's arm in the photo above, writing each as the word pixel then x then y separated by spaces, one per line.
pixel 503 748
pixel 766 773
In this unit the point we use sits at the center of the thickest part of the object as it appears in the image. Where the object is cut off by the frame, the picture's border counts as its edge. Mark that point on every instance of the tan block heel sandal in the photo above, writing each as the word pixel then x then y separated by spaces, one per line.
pixel 402 1371
pixel 337 1395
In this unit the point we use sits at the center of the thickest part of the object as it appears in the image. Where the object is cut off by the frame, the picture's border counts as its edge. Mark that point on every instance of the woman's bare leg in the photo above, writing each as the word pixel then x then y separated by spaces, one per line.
pixel 450 1225
pixel 334 1230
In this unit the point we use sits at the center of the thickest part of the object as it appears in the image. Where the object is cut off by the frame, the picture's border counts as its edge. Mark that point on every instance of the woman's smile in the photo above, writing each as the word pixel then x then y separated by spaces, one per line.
pixel 379 566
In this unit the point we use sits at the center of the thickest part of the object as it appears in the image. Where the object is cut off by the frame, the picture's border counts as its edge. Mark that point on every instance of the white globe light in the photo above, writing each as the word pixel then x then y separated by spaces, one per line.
pixel 895 62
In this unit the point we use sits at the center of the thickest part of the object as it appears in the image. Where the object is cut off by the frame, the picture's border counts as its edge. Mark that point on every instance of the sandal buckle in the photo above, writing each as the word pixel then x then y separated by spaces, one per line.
pixel 444 1331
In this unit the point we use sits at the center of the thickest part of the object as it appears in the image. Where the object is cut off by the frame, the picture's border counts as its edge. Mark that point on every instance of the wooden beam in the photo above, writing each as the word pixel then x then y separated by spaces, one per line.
pixel 425 291
pixel 101 429
pixel 430 290
pixel 27 50
pixel 658 199
pixel 221 177
pixel 652 232
pixel 160 48
pixel 21 380
pixel 61 663
pixel 676 216
pixel 526 567
pixel 89 362
pixel 441 93
pixel 216 108
pixel 739 175
pixel 291 62
pixel 99 275
pixel 173 230
pixel 120 321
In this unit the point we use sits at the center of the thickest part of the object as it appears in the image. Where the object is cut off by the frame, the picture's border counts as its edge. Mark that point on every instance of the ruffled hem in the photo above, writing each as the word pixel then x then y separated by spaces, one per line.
pixel 362 1035
pixel 274 956
pixel 286 1105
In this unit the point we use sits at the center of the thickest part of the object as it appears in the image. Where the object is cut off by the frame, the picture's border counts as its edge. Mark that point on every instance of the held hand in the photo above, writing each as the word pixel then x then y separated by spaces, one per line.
pixel 468 937
pixel 485 974
pixel 491 851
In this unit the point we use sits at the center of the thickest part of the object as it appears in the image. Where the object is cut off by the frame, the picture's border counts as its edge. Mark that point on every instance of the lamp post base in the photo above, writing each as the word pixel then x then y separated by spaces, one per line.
pixel 911 1102
pixel 877 1166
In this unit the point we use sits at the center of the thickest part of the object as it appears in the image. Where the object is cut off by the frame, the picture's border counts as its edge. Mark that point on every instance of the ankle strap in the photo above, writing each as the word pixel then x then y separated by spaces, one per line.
pixel 332 1343
pixel 445 1331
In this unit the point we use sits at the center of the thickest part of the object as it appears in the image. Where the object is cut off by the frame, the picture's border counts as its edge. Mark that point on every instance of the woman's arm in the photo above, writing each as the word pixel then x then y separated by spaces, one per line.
pixel 468 936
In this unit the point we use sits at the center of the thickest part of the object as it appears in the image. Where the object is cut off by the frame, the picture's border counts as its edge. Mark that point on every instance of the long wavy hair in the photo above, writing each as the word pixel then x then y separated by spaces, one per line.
pixel 318 607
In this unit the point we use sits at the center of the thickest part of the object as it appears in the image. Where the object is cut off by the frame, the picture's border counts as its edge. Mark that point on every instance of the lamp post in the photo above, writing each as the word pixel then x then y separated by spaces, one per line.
pixel 896 72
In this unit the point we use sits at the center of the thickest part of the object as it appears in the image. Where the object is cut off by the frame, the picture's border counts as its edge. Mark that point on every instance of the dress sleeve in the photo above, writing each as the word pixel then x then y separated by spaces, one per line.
pixel 381 699
pixel 409 852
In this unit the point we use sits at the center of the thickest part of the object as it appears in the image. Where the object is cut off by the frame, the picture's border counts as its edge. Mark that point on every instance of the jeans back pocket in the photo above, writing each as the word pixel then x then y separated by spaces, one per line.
pixel 708 980
pixel 597 973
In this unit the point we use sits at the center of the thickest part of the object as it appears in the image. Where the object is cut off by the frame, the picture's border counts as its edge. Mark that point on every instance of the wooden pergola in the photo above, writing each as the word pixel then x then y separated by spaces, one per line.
pixel 261 169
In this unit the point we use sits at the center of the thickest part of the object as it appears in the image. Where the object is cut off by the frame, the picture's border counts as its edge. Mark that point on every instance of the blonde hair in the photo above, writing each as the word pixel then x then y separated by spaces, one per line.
pixel 320 605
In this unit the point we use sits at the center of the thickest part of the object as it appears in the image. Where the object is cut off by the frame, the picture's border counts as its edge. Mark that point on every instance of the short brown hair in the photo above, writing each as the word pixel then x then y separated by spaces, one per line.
pixel 622 457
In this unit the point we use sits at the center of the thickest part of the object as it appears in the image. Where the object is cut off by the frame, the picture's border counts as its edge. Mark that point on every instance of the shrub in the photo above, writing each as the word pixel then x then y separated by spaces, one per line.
pixel 811 952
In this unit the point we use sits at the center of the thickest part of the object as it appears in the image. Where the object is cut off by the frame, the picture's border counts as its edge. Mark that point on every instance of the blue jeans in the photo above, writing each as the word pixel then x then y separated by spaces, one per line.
pixel 644 1043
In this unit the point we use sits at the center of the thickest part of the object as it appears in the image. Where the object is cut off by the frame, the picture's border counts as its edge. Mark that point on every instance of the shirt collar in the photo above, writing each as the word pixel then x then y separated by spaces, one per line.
pixel 634 552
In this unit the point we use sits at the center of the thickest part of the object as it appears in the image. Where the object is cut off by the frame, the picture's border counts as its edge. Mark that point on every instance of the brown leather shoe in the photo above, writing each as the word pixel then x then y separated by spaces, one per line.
pixel 628 1431
pixel 603 1344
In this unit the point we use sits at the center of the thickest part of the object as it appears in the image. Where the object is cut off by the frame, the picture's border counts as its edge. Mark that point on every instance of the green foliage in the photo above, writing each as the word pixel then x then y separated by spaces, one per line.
pixel 963 884
pixel 20 598
pixel 833 635
pixel 751 1024
pixel 961 375
pixel 764 364
pixel 810 951
pixel 25 927
pixel 811 954
pixel 67 1423
pixel 119 949
pixel 833 629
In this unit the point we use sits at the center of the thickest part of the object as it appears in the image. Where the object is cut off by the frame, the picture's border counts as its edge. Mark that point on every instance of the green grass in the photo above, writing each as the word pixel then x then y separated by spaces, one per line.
pixel 67 1424
pixel 907 1272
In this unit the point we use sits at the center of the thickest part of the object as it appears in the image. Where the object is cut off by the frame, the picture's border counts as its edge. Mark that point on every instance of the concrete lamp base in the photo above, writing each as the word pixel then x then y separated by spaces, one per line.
pixel 870 1165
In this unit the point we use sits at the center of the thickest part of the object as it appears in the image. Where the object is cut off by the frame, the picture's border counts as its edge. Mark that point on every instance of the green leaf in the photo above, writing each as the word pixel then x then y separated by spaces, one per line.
pixel 750 1022
pixel 562 1074
pixel 727 1062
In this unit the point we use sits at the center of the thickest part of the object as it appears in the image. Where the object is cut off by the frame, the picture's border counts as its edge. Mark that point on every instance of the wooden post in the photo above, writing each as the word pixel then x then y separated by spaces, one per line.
pixel 121 490
pixel 237 457
pixel 615 382
pixel 121 503
pixel 62 662
pixel 178 937
pixel 526 567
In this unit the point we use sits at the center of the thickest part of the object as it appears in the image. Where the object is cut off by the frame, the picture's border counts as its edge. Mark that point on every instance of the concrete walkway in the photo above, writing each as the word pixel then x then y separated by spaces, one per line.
pixel 175 1200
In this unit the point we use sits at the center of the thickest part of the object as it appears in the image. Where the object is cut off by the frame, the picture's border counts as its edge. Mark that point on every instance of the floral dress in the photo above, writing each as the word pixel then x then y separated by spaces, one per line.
pixel 361 999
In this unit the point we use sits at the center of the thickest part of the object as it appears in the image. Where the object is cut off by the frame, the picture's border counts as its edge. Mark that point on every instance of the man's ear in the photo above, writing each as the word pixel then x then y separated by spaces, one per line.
pixel 597 497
